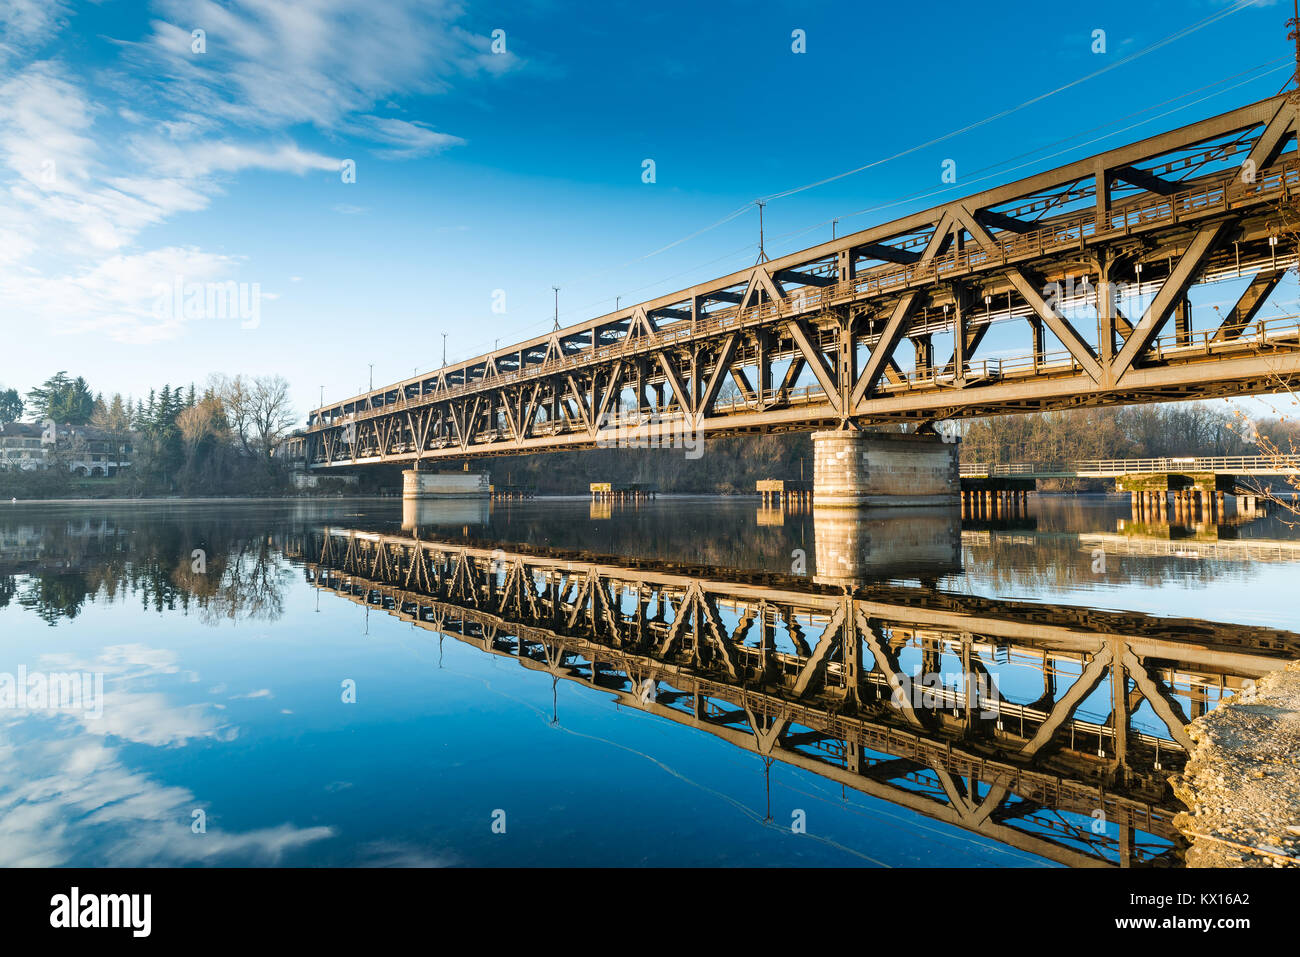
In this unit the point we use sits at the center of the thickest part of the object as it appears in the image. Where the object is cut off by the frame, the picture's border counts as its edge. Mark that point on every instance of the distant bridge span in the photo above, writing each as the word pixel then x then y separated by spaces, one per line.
pixel 1111 468
pixel 815 339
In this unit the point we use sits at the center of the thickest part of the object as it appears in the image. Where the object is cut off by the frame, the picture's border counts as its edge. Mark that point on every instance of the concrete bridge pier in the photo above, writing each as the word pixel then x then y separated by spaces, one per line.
pixel 857 469
pixel 419 484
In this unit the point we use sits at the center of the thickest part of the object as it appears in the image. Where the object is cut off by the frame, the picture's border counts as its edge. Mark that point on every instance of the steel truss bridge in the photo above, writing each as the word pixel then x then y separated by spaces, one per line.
pixel 857 331
pixel 806 674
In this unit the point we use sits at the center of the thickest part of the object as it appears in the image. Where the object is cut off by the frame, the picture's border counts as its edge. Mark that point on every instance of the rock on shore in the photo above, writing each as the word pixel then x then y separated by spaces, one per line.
pixel 1242 781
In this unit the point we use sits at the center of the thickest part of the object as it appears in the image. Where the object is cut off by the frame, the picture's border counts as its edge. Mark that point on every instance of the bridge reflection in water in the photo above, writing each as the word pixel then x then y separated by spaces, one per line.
pixel 1050 729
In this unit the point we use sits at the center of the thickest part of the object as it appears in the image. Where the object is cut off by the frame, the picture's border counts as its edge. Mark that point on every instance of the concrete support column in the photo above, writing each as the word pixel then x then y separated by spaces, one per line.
pixel 417 484
pixel 854 469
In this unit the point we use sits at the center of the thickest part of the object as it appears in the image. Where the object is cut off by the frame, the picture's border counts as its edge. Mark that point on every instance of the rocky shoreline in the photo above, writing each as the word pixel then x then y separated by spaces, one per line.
pixel 1242 781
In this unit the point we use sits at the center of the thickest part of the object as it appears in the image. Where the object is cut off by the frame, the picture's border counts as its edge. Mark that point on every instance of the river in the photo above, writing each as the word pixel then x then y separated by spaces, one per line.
pixel 684 681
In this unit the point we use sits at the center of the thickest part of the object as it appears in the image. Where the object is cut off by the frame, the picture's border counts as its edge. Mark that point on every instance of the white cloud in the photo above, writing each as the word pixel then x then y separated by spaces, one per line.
pixel 116 296
pixel 201 158
pixel 88 171
pixel 406 139
pixel 276 65
pixel 25 24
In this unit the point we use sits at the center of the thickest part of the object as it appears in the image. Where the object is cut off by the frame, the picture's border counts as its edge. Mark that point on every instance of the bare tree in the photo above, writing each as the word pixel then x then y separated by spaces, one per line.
pixel 270 413
pixel 237 397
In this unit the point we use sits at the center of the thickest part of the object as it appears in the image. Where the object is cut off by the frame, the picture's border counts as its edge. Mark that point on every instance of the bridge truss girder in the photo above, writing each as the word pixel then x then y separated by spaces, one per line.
pixel 847 318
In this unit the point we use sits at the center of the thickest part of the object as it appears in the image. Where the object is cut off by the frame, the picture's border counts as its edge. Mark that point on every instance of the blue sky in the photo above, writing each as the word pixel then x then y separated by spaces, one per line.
pixel 128 160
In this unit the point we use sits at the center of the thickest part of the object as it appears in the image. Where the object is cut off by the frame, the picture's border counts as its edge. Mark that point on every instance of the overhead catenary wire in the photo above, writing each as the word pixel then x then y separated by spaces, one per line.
pixel 1176 35
pixel 1000 168
pixel 991 171
pixel 1179 34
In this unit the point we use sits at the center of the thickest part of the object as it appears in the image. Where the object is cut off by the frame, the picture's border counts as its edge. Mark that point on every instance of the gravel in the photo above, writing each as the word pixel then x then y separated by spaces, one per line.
pixel 1242 780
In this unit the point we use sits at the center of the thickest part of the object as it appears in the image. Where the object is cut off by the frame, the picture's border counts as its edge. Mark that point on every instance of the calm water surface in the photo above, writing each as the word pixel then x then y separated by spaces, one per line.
pixel 231 640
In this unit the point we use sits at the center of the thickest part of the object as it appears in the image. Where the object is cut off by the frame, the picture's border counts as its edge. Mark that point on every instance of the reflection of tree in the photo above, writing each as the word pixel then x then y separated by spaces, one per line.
pixel 251 586
pixel 54 596
pixel 55 566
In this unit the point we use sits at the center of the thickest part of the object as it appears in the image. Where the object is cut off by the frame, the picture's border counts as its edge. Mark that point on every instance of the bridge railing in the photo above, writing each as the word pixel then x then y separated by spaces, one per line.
pixel 1227 464
pixel 1221 463
pixel 981 469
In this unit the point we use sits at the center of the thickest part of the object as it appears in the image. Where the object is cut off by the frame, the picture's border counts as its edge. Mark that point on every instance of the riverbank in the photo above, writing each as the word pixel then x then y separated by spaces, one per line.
pixel 1242 781
pixel 194 500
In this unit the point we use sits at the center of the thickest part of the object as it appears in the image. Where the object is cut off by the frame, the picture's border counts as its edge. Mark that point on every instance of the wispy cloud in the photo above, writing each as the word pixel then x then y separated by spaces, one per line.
pixel 94 161
pixel 25 24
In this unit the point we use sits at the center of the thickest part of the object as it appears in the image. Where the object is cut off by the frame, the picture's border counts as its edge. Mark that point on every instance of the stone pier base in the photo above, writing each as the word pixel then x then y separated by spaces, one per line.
pixel 417 484
pixel 856 469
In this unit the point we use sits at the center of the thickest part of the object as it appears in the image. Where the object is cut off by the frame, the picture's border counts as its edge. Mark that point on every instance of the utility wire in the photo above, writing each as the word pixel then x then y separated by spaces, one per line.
pixel 1031 153
pixel 1179 34
pixel 1176 35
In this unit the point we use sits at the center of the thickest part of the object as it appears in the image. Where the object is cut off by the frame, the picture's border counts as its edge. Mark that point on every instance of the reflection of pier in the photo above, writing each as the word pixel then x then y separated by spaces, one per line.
pixel 855 544
pixel 1210 542
pixel 809 675
pixel 444 513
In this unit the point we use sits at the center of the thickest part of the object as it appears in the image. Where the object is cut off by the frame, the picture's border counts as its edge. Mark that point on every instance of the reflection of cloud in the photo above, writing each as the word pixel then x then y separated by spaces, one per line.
pixel 72 801
pixel 134 660
pixel 393 854
pixel 142 717
pixel 67 798
pixel 149 718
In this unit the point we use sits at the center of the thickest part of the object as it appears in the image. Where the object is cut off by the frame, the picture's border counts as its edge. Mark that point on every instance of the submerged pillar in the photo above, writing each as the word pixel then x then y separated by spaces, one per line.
pixel 855 469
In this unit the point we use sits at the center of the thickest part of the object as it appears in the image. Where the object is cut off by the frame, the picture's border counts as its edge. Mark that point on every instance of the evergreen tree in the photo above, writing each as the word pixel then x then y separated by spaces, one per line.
pixel 11 406
pixel 62 399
